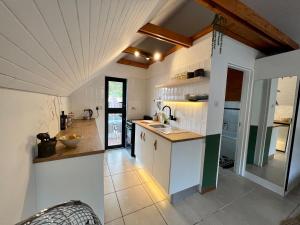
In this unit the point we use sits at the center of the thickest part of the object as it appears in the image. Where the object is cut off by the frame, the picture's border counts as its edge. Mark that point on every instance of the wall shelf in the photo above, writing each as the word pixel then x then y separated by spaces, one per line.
pixel 161 100
pixel 177 82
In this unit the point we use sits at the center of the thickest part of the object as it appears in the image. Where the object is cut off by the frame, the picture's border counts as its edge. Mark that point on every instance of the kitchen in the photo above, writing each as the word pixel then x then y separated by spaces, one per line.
pixel 143 97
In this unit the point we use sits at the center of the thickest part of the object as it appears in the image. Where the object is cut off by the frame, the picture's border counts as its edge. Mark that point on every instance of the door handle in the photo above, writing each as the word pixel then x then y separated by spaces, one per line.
pixel 144 136
pixel 141 135
pixel 155 145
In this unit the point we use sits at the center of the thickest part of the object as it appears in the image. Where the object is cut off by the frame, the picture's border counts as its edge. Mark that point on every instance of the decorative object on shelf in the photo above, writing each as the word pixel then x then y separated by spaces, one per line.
pixel 195 98
pixel 190 75
pixel 199 73
pixel 175 82
pixel 47 145
pixel 181 76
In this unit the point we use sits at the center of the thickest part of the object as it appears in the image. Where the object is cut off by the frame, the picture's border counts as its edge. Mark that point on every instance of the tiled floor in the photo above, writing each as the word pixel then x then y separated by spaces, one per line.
pixel 273 171
pixel 132 198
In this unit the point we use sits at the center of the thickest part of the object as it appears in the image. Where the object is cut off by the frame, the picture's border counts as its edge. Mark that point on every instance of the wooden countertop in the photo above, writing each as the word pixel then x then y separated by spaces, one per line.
pixel 179 137
pixel 282 122
pixel 89 144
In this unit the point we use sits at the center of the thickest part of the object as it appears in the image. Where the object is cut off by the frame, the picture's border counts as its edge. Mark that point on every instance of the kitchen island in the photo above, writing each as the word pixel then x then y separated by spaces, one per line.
pixel 174 160
pixel 73 174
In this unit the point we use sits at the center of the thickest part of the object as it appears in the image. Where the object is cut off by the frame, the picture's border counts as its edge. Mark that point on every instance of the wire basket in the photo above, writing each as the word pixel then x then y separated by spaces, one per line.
pixel 69 213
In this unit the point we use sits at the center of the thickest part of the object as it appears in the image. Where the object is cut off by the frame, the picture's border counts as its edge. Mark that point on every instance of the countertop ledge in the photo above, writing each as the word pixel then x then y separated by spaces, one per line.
pixel 179 137
pixel 89 144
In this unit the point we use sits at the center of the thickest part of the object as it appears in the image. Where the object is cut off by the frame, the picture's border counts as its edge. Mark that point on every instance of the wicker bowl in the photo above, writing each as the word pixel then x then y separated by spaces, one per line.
pixel 70 141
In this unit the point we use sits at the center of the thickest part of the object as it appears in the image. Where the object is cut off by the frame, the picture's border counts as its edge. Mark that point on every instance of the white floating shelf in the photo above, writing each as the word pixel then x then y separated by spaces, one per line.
pixel 178 82
pixel 161 100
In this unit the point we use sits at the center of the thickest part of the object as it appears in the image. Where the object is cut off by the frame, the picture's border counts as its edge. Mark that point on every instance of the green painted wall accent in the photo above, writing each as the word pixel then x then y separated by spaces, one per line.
pixel 251 144
pixel 212 144
pixel 267 145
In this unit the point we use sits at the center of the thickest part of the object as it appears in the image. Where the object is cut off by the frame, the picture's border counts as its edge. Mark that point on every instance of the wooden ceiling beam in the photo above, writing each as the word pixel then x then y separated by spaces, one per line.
pixel 164 34
pixel 248 19
pixel 133 63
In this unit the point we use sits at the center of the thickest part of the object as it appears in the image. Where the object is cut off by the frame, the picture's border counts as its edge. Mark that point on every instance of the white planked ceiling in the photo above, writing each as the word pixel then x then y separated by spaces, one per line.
pixel 55 46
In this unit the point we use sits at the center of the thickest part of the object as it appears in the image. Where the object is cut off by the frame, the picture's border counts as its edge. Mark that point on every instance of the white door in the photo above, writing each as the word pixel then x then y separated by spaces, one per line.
pixel 162 162
pixel 147 150
pixel 138 142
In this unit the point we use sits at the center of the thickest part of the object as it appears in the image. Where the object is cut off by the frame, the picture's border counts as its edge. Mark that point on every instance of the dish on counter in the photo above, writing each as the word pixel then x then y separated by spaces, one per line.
pixel 70 141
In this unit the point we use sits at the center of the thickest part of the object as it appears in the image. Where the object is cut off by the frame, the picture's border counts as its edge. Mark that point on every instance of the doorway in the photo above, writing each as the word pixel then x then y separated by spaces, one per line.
pixel 115 112
pixel 231 118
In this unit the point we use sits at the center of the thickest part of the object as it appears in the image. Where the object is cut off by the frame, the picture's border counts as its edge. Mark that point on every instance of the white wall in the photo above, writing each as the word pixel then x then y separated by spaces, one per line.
pixel 92 94
pixel 23 115
pixel 191 116
pixel 233 53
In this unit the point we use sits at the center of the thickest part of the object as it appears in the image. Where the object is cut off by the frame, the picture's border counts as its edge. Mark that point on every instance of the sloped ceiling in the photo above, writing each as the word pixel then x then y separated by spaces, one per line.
pixel 282 14
pixel 55 46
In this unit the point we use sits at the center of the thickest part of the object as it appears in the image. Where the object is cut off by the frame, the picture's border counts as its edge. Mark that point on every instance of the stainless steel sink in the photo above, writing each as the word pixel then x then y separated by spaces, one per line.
pixel 171 130
pixel 156 126
pixel 167 129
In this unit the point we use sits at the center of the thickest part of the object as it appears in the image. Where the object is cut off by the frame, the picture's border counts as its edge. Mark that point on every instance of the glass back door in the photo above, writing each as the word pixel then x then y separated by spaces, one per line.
pixel 115 112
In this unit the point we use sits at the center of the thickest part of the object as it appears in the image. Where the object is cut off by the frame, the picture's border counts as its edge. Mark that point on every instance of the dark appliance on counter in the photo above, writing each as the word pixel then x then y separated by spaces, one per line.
pixel 87 114
pixel 130 135
pixel 47 145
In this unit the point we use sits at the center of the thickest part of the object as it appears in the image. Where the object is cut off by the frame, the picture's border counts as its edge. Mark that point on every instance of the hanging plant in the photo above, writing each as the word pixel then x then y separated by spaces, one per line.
pixel 217 36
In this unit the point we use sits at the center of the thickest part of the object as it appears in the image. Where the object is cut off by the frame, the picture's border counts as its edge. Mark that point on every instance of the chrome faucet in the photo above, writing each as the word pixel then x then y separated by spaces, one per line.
pixel 171 117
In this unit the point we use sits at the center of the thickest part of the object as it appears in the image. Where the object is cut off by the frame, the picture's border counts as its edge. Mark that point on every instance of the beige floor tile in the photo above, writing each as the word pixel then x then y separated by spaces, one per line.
pixel 173 215
pixel 111 208
pixel 116 222
pixel 108 185
pixel 155 192
pixel 133 199
pixel 116 156
pixel 230 187
pixel 125 180
pixel 122 167
pixel 258 207
pixel 106 170
pixel 144 176
pixel 146 216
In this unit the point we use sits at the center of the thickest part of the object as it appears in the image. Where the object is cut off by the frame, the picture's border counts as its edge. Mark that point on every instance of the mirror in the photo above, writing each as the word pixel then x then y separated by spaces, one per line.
pixel 272 111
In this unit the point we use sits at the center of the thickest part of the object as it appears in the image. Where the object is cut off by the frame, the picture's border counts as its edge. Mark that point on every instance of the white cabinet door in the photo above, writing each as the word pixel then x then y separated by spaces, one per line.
pixel 138 142
pixel 147 150
pixel 162 162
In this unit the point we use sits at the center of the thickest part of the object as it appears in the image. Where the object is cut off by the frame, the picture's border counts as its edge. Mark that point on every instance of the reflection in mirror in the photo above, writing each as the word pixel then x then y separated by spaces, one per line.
pixel 271 116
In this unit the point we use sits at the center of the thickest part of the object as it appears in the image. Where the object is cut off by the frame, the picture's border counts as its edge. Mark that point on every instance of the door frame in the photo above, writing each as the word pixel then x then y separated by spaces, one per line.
pixel 122 110
pixel 244 118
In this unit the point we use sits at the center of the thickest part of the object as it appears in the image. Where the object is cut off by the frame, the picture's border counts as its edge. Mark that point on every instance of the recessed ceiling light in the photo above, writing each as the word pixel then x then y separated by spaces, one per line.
pixel 136 53
pixel 157 56
pixel 147 58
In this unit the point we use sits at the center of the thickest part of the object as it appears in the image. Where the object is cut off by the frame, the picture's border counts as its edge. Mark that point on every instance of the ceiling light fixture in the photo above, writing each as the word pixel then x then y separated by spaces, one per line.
pixel 157 56
pixel 147 58
pixel 136 53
